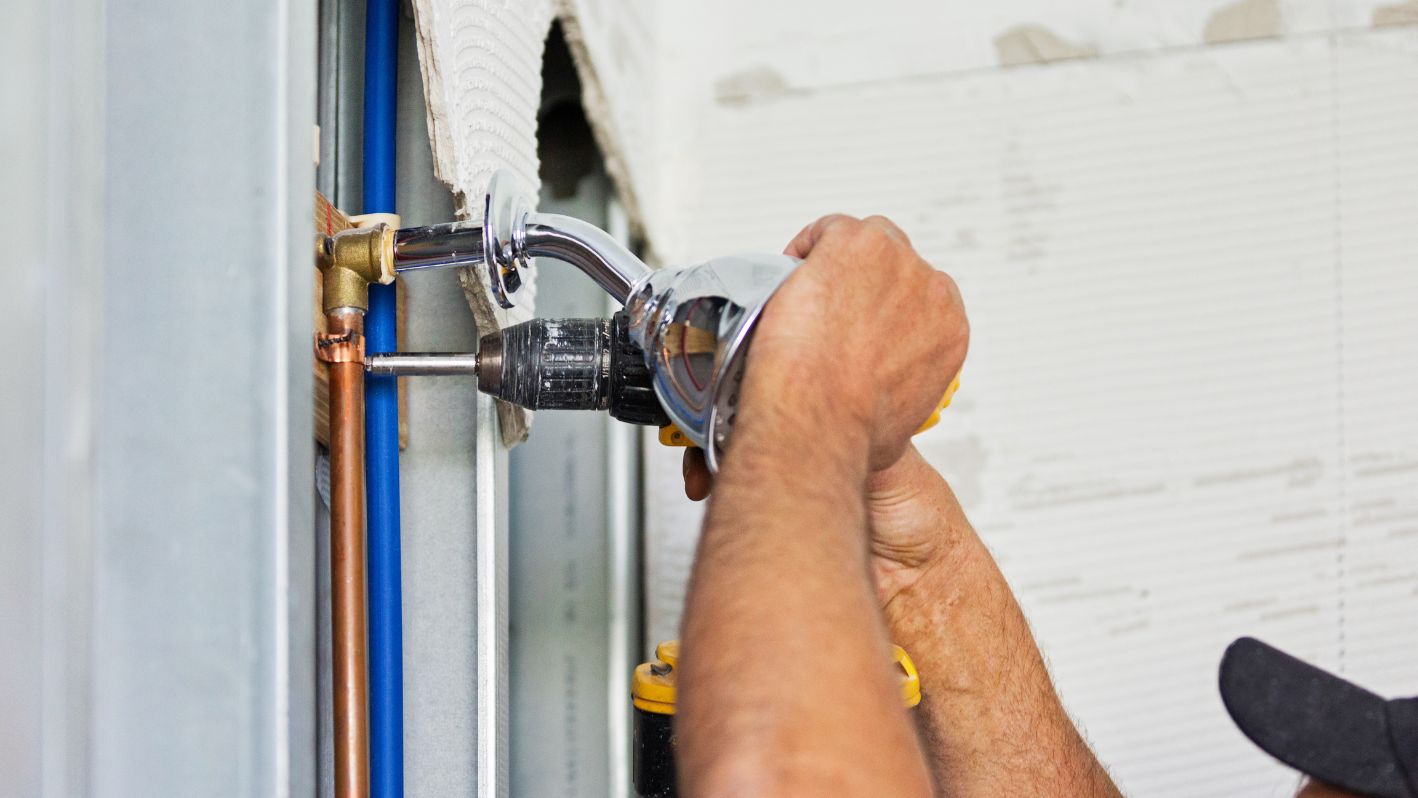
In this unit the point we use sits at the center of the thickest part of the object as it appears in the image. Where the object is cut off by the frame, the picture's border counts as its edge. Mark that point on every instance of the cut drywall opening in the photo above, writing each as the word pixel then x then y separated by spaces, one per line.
pixel 566 146
pixel 610 143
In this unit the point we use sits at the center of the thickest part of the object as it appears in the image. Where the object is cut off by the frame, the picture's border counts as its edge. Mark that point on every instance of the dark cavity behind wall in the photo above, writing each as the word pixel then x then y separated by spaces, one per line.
pixel 565 145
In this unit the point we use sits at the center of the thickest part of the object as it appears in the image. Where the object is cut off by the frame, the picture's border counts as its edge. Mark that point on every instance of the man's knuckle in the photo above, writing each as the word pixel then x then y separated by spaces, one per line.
pixel 837 228
pixel 891 229
pixel 884 224
pixel 873 242
pixel 837 221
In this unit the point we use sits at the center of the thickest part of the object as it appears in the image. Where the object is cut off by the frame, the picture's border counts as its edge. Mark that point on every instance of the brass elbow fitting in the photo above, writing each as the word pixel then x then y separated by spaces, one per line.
pixel 352 259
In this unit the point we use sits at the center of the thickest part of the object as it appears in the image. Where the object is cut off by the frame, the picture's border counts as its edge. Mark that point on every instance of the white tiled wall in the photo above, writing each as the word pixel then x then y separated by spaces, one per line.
pixel 1190 410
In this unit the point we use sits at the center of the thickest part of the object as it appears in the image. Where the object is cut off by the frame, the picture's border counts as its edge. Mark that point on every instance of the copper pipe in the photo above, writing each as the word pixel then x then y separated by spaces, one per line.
pixel 343 350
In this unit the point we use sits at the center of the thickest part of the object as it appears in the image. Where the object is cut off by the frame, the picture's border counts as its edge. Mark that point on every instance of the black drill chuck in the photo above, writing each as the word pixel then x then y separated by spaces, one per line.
pixel 571 364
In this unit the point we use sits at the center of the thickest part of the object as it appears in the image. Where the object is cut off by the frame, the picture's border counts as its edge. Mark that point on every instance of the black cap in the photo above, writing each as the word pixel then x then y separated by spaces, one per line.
pixel 1320 724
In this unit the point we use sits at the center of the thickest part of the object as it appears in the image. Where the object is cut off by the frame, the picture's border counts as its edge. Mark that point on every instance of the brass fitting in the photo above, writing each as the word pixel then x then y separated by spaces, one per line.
pixel 352 259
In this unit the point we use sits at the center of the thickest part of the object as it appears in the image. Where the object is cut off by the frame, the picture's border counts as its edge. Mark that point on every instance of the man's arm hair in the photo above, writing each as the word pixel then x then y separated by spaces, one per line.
pixel 786 683
pixel 786 686
pixel 990 720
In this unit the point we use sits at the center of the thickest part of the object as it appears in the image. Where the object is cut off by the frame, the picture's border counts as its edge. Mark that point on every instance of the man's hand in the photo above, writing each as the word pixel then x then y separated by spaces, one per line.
pixel 865 319
pixel 785 682
pixel 915 524
pixel 909 512
pixel 991 721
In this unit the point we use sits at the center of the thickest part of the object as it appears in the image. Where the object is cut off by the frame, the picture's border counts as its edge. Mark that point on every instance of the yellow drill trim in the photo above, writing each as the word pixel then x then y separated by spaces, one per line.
pixel 670 435
pixel 654 706
pixel 910 679
pixel 668 653
pixel 944 403
pixel 655 687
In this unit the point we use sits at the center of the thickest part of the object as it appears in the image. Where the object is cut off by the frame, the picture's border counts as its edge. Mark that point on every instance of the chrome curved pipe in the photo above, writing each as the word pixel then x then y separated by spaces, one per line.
pixel 509 235
pixel 541 235
pixel 588 248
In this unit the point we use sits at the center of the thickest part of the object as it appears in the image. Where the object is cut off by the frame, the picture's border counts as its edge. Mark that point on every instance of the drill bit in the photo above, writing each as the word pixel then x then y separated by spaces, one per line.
pixel 420 364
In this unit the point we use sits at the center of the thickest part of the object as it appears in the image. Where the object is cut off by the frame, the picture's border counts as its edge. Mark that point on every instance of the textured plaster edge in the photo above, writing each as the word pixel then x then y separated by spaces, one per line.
pixel 439 135
pixel 603 127
pixel 514 422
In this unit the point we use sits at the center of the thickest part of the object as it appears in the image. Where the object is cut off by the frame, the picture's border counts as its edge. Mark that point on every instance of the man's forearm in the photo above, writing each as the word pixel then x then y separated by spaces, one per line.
pixel 785 684
pixel 990 718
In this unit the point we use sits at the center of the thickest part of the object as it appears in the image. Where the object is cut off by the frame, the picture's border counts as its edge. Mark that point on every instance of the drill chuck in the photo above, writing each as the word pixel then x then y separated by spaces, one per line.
pixel 571 364
pixel 548 364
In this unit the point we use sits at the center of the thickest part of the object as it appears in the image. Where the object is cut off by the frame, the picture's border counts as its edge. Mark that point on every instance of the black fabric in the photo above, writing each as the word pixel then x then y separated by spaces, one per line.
pixel 1319 723
pixel 1403 736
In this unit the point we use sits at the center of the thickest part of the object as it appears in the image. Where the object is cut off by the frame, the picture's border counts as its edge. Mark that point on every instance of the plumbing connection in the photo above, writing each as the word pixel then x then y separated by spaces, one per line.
pixel 689 327
pixel 349 263
pixel 681 340
pixel 674 358
pixel 696 321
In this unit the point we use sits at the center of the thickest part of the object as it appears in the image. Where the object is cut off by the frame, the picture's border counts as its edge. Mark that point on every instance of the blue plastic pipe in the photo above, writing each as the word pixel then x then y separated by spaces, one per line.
pixel 381 424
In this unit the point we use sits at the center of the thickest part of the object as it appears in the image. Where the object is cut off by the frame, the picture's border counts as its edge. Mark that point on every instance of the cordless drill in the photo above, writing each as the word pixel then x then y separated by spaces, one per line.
pixel 551 364
pixel 564 364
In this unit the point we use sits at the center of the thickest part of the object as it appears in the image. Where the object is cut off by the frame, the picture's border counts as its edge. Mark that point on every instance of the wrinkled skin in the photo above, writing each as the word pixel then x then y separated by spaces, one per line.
pixel 860 341
pixel 990 723
pixel 915 522
pixel 851 355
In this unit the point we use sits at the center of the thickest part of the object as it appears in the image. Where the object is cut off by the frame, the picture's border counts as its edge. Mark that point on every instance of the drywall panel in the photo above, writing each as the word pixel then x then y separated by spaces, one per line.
pixel 842 42
pixel 1186 415
pixel 482 82
pixel 481 65
pixel 1376 218
pixel 652 70
pixel 482 78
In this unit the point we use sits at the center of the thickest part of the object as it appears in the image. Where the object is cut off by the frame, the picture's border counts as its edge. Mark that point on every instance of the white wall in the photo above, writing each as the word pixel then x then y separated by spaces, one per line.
pixel 1190 268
